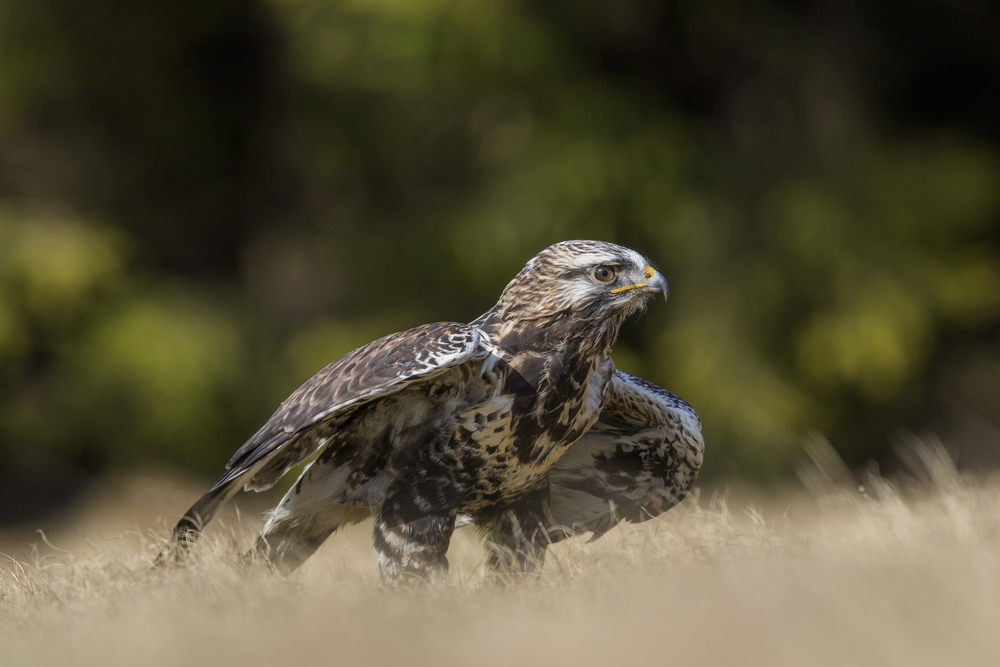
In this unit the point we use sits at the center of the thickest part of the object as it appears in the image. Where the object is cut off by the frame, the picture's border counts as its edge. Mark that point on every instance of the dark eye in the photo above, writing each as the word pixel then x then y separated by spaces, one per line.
pixel 605 274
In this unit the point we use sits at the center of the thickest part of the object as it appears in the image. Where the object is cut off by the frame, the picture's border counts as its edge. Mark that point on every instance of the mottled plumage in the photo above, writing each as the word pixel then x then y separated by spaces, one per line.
pixel 517 422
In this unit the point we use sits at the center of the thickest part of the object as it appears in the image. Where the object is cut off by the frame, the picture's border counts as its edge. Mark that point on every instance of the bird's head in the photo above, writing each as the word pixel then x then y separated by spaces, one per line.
pixel 589 280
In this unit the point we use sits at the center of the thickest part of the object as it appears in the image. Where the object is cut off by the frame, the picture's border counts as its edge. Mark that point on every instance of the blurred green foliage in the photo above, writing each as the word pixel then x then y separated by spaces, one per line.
pixel 204 203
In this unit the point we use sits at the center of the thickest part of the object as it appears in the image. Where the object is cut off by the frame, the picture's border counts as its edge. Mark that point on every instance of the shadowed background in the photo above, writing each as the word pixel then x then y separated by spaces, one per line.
pixel 201 204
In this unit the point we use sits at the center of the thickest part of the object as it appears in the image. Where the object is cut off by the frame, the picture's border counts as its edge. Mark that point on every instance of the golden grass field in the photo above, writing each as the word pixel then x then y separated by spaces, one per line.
pixel 896 574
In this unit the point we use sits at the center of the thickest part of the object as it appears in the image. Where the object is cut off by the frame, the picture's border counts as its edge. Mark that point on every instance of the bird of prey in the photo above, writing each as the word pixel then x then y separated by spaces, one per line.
pixel 518 423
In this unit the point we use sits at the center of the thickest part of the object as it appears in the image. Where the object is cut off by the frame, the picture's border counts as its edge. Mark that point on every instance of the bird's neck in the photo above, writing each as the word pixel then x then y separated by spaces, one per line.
pixel 556 333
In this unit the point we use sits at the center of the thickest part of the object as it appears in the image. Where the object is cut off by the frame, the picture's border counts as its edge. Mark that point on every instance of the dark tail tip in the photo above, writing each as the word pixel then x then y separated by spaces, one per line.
pixel 185 534
pixel 188 529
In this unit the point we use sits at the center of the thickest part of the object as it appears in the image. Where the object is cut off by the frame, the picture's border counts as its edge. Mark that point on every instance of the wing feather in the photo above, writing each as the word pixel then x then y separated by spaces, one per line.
pixel 304 422
pixel 377 369
pixel 639 459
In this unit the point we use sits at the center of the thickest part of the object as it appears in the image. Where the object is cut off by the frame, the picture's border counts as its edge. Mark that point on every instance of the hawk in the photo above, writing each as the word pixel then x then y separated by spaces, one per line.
pixel 518 423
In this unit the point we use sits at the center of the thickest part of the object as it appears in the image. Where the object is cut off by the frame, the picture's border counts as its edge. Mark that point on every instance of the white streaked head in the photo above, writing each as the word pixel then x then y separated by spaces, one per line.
pixel 592 279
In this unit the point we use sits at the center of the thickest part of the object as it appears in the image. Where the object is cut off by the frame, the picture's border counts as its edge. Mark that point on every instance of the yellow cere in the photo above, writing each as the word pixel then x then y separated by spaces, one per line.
pixel 649 272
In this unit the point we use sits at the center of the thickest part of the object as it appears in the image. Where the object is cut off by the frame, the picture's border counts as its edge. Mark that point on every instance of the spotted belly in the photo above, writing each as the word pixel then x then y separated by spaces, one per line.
pixel 506 453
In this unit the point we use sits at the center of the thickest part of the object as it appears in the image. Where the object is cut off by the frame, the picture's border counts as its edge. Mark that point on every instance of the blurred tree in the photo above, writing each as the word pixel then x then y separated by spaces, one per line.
pixel 203 203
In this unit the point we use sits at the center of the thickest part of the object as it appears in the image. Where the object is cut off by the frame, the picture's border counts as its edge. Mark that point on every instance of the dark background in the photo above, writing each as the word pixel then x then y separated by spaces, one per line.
pixel 203 203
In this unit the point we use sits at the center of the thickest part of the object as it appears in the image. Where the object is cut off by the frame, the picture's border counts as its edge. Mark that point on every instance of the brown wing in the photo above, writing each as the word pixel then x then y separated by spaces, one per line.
pixel 377 369
pixel 305 421
pixel 638 460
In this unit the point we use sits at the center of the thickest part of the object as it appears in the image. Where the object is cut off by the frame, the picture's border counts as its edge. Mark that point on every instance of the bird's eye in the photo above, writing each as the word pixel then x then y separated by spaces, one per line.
pixel 604 274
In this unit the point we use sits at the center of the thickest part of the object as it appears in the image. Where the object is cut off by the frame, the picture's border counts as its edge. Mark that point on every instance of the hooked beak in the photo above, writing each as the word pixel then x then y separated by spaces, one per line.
pixel 657 285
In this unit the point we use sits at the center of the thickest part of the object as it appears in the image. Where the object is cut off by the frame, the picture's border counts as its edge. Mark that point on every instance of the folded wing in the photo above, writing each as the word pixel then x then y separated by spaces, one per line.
pixel 640 459
pixel 317 409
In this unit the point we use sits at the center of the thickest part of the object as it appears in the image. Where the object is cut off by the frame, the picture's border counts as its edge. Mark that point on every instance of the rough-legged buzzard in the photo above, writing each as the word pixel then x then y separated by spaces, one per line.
pixel 518 423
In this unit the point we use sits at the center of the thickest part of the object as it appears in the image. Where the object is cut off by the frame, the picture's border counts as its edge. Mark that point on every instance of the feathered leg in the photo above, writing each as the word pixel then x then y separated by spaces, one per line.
pixel 516 537
pixel 413 528
pixel 308 514
pixel 288 538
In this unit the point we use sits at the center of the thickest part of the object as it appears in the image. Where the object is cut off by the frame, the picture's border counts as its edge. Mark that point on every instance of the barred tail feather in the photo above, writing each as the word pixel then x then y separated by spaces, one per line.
pixel 193 522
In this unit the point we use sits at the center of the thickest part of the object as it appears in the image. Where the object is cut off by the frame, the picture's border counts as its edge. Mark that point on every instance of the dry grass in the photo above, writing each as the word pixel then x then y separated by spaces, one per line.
pixel 885 577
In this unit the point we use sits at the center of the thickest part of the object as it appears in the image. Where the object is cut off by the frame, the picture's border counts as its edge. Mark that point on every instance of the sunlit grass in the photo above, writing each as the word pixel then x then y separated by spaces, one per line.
pixel 905 573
